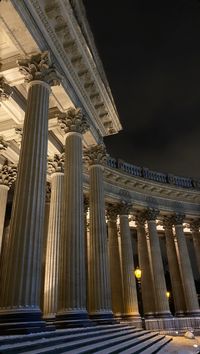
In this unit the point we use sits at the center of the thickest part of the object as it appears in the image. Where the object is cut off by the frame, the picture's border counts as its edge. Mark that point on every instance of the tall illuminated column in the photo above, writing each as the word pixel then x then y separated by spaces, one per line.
pixel 72 278
pixel 8 173
pixel 56 170
pixel 194 227
pixel 114 260
pixel 162 305
pixel 192 305
pixel 99 279
pixel 148 296
pixel 174 271
pixel 21 282
pixel 130 301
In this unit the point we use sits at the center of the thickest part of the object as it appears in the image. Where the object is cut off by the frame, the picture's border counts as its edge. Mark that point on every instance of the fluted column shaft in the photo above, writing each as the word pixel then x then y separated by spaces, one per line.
pixel 162 305
pixel 191 300
pixel 3 201
pixel 115 268
pixel 99 279
pixel 196 241
pixel 128 278
pixel 148 296
pixel 20 293
pixel 72 291
pixel 53 246
pixel 175 276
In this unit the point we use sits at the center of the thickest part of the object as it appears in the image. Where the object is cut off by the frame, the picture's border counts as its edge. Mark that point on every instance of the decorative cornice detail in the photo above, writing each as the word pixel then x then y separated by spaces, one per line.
pixel 8 174
pixel 96 155
pixel 178 219
pixel 112 212
pixel 3 144
pixel 5 90
pixel 56 164
pixel 39 67
pixel 73 120
pixel 195 225
pixel 151 214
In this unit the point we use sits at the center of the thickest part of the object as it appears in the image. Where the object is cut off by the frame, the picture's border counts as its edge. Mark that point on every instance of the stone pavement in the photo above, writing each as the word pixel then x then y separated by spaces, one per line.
pixel 182 345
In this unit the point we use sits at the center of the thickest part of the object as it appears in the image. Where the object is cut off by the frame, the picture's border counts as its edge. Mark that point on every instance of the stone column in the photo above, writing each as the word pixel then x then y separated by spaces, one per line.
pixel 8 174
pixel 20 290
pixel 86 229
pixel 114 257
pixel 191 300
pixel 130 310
pixel 99 279
pixel 55 169
pixel 72 284
pixel 148 296
pixel 162 304
pixel 194 227
pixel 174 271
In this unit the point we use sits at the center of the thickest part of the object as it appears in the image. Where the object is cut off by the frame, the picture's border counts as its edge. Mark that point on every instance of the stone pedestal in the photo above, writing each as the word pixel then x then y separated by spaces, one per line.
pixel 53 240
pixel 20 290
pixel 148 296
pixel 194 226
pixel 175 276
pixel 114 258
pixel 72 282
pixel 99 279
pixel 162 305
pixel 191 300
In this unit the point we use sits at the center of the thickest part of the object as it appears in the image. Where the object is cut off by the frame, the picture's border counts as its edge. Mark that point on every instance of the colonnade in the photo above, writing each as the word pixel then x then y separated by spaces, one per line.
pixel 87 277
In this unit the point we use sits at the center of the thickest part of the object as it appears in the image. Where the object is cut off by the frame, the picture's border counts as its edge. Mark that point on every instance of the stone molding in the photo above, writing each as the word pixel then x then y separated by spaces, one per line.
pixel 56 164
pixel 8 174
pixel 96 155
pixel 73 120
pixel 3 144
pixel 39 67
pixel 5 90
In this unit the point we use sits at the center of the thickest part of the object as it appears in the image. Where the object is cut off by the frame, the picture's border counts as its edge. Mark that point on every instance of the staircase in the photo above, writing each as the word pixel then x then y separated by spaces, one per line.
pixel 106 339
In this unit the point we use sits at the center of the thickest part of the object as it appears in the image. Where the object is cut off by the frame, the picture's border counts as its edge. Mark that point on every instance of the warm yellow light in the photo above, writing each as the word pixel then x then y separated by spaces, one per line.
pixel 138 273
pixel 168 294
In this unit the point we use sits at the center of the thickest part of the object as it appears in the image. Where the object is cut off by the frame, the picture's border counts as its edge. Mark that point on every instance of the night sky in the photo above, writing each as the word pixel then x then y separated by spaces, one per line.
pixel 151 55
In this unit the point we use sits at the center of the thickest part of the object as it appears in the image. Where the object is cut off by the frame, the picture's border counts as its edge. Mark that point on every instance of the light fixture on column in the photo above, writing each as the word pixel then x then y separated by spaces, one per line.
pixel 168 294
pixel 138 274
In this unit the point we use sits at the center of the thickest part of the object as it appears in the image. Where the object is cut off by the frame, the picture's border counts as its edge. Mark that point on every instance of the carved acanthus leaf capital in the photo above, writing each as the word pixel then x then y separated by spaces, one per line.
pixel 8 174
pixel 195 225
pixel 167 222
pixel 48 192
pixel 5 90
pixel 140 218
pixel 178 219
pixel 124 208
pixel 3 144
pixel 96 155
pixel 112 212
pixel 39 67
pixel 73 120
pixel 56 164
pixel 151 214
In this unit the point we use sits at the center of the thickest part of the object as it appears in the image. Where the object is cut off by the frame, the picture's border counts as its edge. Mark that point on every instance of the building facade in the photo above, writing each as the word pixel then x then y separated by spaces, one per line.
pixel 74 222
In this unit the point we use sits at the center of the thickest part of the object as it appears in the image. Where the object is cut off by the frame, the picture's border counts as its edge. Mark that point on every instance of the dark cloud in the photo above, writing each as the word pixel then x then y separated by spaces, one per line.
pixel 151 54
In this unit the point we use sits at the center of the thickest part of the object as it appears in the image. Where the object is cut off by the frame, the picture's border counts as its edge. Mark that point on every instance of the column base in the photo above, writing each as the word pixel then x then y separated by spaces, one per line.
pixel 163 314
pixel 193 313
pixel 72 319
pixel 21 321
pixel 180 314
pixel 103 318
pixel 149 315
pixel 133 320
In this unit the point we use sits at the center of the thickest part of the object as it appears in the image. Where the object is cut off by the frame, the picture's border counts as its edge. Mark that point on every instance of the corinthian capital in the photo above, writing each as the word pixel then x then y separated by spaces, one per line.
pixel 151 214
pixel 178 219
pixel 140 218
pixel 56 164
pixel 124 208
pixel 3 144
pixel 48 192
pixel 195 225
pixel 8 174
pixel 73 120
pixel 167 222
pixel 5 90
pixel 111 212
pixel 96 155
pixel 39 67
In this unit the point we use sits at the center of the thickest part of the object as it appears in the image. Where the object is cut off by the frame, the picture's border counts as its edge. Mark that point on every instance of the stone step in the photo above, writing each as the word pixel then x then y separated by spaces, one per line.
pixel 34 343
pixel 157 347
pixel 147 346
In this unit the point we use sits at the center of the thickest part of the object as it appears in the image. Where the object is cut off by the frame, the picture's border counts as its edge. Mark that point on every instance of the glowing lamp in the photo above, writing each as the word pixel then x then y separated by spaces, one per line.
pixel 168 294
pixel 138 273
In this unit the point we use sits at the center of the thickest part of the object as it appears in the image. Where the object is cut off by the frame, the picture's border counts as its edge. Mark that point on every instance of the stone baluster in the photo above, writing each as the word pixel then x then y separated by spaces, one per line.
pixel 99 279
pixel 56 171
pixel 148 295
pixel 8 173
pixel 72 282
pixel 114 257
pixel 162 304
pixel 21 284
pixel 174 271
pixel 130 300
pixel 194 227
pixel 191 300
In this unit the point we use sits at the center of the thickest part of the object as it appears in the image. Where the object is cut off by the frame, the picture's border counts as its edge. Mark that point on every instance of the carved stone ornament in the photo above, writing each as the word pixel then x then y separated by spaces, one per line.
pixel 39 67
pixel 140 218
pixel 86 203
pixel 56 164
pixel 151 214
pixel 124 208
pixel 178 219
pixel 5 90
pixel 8 174
pixel 73 120
pixel 3 144
pixel 111 212
pixel 195 225
pixel 96 155
pixel 48 192
pixel 167 222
